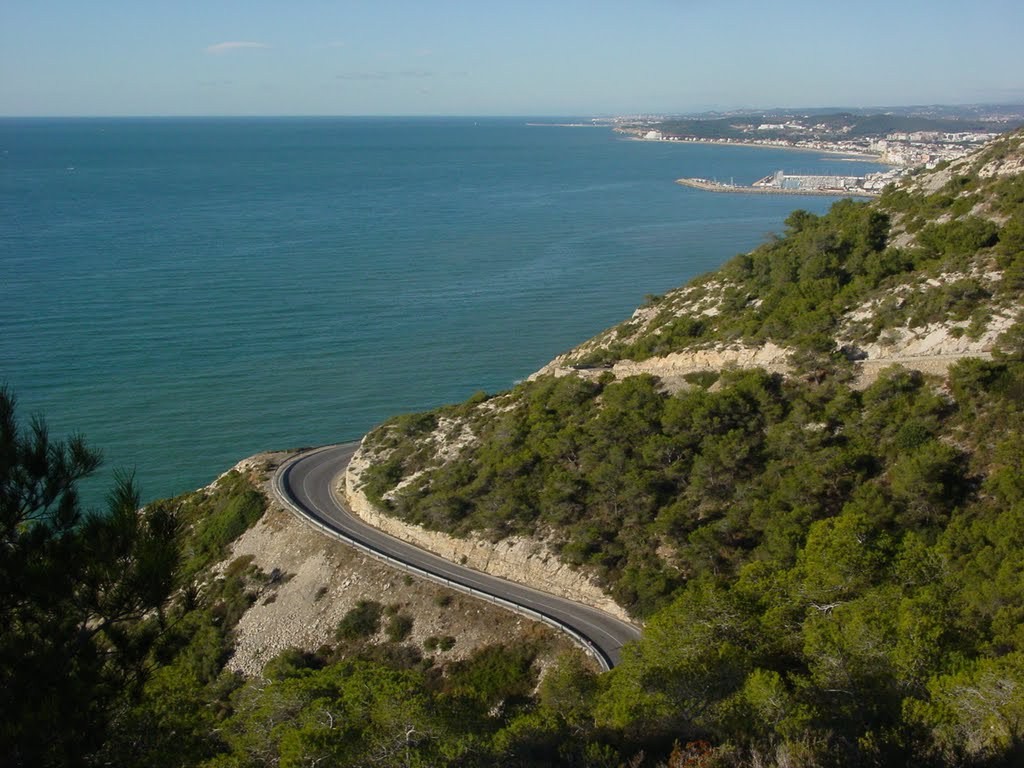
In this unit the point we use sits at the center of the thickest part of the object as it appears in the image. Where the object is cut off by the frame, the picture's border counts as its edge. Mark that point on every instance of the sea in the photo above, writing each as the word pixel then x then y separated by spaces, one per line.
pixel 188 292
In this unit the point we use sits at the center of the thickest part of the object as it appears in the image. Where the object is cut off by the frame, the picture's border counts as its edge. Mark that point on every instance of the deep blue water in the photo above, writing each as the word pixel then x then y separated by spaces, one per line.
pixel 186 292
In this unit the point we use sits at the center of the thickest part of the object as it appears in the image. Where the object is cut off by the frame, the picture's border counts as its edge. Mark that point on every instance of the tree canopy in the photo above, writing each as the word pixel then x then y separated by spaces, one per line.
pixel 81 595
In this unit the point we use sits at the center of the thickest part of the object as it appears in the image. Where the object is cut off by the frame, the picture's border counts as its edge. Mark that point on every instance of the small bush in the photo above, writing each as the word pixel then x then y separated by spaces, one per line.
pixel 702 379
pixel 290 663
pixel 399 627
pixel 395 656
pixel 435 643
pixel 961 236
pixel 361 622
pixel 238 566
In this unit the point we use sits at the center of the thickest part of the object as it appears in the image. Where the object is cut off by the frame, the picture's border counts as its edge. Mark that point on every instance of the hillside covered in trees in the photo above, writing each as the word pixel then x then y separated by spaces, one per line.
pixel 829 565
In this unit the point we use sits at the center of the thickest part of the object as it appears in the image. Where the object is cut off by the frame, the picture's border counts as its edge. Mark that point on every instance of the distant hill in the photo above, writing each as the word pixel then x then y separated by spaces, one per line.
pixel 829 125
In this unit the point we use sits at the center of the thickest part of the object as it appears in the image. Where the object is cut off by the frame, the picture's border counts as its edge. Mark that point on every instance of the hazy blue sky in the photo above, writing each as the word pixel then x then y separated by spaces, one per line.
pixel 448 57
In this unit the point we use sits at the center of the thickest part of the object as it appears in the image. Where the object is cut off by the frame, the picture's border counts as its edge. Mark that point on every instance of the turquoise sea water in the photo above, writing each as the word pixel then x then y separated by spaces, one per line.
pixel 187 292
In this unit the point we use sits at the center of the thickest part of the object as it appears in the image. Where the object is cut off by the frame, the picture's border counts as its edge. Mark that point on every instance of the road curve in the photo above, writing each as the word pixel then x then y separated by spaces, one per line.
pixel 307 483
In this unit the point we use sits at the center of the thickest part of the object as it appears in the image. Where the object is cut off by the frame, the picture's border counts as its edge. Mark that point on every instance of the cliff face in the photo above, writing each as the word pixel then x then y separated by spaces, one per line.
pixel 925 276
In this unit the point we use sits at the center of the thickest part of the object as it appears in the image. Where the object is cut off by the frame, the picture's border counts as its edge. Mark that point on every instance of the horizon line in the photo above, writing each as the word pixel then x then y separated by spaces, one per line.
pixel 506 115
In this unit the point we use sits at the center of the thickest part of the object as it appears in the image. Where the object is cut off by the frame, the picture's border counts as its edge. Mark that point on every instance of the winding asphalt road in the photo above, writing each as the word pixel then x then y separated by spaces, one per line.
pixel 307 484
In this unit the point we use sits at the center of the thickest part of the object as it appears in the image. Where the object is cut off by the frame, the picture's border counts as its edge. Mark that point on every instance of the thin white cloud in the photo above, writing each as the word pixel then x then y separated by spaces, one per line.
pixel 408 73
pixel 363 76
pixel 228 47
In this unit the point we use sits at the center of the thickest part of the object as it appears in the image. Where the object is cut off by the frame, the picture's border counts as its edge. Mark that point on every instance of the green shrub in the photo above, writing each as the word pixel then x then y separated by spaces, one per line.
pixel 494 673
pixel 363 621
pixel 702 379
pixel 960 237
pixel 290 663
pixel 435 643
pixel 215 519
pixel 239 566
pixel 675 334
pixel 399 627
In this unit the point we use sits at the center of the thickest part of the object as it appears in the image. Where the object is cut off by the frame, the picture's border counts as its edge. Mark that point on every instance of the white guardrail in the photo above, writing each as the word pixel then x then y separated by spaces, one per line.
pixel 284 496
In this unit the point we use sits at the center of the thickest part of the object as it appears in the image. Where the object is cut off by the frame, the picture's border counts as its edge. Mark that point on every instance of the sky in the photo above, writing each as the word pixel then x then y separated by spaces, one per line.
pixel 518 57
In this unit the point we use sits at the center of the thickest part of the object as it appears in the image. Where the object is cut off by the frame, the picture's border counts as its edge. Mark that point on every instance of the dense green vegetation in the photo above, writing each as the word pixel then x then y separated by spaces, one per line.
pixel 116 635
pixel 652 490
pixel 215 519
pixel 80 596
pixel 830 576
pixel 794 291
pixel 892 633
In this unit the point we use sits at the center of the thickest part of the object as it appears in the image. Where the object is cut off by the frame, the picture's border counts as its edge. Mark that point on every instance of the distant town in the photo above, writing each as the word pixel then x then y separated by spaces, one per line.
pixel 903 137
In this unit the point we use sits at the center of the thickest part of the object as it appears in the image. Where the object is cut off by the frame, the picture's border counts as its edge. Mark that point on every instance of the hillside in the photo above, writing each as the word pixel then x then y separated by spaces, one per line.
pixel 927 271
pixel 924 277
pixel 321 580
pixel 802 471
pixel 217 628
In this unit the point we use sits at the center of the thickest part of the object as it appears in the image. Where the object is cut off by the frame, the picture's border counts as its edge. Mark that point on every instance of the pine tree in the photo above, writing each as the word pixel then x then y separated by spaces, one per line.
pixel 81 595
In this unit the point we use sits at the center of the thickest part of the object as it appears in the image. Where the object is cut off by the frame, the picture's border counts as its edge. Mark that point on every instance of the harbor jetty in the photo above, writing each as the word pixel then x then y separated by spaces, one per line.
pixel 780 183
pixel 764 188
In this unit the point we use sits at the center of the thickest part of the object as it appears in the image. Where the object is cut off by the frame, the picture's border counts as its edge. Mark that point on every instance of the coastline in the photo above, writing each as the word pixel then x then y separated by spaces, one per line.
pixel 851 155
pixel 565 125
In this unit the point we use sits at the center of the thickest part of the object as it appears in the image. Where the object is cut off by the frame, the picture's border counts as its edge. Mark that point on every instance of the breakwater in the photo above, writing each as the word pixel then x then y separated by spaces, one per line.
pixel 715 186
